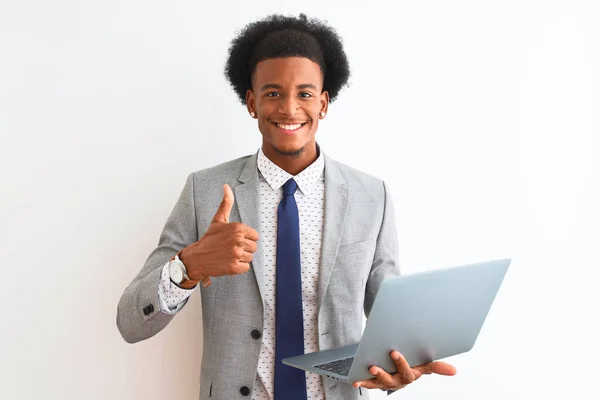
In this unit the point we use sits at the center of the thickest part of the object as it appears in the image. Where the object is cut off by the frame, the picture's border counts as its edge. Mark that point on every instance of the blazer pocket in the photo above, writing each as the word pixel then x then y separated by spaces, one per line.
pixel 358 255
pixel 356 247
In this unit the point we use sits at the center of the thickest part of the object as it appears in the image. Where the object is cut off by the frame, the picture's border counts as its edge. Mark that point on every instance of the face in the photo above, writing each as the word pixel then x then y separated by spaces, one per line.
pixel 288 100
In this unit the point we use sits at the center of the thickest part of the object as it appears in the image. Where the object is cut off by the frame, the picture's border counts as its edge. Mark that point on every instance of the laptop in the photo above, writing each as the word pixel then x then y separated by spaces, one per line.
pixel 425 316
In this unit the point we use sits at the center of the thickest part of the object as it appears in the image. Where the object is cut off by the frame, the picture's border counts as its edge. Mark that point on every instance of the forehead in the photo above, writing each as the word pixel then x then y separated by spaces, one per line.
pixel 287 70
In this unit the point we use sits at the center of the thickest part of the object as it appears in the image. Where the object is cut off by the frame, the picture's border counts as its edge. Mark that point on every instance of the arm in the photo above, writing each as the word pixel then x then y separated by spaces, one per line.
pixel 224 249
pixel 385 265
pixel 138 311
pixel 385 260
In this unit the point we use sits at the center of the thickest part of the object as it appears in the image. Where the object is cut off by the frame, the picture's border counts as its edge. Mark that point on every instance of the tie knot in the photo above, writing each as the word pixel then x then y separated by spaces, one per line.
pixel 289 187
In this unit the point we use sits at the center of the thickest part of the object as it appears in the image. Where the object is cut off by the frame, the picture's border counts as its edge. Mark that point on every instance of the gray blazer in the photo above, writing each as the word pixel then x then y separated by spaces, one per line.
pixel 359 250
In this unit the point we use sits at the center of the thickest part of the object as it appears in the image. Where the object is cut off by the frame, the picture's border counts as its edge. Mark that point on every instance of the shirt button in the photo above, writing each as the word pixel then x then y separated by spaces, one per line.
pixel 244 391
pixel 255 334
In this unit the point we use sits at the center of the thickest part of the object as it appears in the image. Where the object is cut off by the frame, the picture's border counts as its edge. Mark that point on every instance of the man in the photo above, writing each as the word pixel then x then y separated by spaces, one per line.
pixel 289 245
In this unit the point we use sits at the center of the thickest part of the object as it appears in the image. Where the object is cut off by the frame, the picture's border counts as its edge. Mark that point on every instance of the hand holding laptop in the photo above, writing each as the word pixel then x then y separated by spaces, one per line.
pixel 425 316
pixel 404 375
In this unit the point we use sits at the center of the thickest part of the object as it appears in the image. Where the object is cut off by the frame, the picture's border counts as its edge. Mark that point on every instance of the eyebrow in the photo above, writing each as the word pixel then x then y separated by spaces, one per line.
pixel 276 86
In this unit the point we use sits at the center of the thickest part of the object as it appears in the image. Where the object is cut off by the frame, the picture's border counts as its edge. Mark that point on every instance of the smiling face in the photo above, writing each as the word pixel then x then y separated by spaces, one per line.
pixel 287 100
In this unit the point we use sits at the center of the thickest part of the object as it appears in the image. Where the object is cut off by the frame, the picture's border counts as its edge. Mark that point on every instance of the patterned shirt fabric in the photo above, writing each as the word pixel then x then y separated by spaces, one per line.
pixel 310 198
pixel 172 298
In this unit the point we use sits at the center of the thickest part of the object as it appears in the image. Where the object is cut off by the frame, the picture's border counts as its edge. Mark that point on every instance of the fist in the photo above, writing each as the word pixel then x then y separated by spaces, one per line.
pixel 225 249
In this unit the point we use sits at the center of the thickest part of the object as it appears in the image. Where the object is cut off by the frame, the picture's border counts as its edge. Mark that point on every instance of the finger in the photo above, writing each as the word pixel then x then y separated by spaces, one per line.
pixel 242 267
pixel 417 374
pixel 380 381
pixel 222 214
pixel 401 363
pixel 405 373
pixel 206 282
pixel 437 367
pixel 422 369
pixel 383 379
pixel 367 384
pixel 246 257
pixel 249 246
pixel 250 234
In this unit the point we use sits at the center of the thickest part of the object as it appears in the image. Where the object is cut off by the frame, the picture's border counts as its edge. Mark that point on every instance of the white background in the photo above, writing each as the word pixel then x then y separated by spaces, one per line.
pixel 483 118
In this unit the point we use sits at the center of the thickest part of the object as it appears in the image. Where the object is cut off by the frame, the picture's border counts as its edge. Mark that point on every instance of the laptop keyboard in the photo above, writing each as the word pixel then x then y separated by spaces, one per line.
pixel 340 367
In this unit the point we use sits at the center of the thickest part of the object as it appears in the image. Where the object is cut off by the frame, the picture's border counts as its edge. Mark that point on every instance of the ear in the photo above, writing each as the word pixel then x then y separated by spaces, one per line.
pixel 250 101
pixel 324 101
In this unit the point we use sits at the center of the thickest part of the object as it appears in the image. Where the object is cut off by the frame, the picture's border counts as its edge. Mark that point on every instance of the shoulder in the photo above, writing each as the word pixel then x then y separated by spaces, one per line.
pixel 224 171
pixel 355 178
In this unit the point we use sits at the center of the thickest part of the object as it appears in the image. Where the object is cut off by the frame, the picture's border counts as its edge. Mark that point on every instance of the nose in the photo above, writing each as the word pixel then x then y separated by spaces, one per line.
pixel 288 105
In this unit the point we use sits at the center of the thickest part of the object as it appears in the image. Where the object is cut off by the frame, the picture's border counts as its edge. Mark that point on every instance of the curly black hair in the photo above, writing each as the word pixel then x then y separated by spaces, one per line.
pixel 280 36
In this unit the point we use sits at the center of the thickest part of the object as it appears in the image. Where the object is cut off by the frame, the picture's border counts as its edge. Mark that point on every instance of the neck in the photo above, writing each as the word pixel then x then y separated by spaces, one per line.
pixel 292 163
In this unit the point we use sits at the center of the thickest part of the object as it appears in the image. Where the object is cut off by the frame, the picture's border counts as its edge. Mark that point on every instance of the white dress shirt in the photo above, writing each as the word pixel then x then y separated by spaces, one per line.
pixel 310 200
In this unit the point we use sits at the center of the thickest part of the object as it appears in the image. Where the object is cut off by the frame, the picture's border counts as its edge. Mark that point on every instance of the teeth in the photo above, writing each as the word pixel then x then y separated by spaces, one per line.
pixel 289 127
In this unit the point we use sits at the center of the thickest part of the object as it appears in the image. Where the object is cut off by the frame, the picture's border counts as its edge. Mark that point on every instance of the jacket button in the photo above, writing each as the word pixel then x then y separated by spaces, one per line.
pixel 149 309
pixel 255 334
pixel 244 391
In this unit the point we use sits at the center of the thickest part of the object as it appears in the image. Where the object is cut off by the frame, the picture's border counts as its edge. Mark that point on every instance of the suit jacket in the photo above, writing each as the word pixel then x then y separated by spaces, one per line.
pixel 359 250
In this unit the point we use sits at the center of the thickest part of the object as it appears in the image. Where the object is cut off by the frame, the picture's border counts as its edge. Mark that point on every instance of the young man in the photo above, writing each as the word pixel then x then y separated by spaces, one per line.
pixel 290 245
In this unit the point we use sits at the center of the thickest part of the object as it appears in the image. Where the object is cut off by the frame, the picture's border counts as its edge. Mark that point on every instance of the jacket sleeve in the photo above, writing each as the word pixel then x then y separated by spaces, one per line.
pixel 385 260
pixel 139 313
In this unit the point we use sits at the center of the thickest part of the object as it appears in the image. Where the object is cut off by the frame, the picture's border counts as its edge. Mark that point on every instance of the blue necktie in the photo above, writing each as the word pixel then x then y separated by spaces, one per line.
pixel 290 383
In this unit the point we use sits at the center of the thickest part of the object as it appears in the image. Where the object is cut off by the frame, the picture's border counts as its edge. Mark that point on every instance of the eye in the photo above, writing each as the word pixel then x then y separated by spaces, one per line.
pixel 305 95
pixel 272 94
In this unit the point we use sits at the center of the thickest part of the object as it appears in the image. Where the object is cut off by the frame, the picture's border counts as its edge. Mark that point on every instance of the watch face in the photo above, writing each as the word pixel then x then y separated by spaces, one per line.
pixel 175 272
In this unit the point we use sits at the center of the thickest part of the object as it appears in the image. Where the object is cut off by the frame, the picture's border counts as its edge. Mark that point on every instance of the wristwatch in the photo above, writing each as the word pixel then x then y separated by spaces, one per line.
pixel 178 272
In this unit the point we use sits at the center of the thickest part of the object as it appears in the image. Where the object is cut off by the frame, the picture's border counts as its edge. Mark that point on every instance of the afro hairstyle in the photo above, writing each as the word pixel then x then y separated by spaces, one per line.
pixel 278 36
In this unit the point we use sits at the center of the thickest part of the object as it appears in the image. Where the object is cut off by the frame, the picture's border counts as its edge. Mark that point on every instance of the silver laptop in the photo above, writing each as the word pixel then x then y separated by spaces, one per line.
pixel 425 316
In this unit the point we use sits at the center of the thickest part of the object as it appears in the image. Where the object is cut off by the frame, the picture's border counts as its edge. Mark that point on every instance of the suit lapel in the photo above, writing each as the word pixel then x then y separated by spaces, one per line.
pixel 336 206
pixel 248 203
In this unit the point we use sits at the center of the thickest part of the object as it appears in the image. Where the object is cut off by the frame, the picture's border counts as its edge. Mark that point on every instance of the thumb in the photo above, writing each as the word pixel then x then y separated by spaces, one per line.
pixel 226 205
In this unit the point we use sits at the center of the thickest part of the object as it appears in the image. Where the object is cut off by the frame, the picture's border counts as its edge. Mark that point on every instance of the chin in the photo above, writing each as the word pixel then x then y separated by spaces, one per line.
pixel 289 150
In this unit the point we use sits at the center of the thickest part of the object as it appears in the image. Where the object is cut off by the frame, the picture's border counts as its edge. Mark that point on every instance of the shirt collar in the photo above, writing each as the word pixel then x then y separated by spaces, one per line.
pixel 307 180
